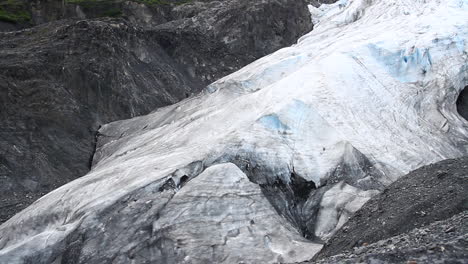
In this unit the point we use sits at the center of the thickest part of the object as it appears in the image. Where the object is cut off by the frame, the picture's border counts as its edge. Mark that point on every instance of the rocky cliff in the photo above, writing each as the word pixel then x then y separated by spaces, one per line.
pixel 61 80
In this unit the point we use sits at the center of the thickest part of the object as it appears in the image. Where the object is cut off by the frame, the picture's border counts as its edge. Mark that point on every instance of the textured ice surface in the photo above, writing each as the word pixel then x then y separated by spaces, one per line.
pixel 317 129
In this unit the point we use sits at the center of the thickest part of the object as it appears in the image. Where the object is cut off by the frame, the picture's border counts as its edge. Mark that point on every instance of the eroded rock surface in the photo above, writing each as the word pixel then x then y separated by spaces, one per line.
pixel 225 30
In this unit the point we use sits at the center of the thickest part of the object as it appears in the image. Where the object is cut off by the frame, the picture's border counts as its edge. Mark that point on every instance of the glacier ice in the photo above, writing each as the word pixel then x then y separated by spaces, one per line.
pixel 282 150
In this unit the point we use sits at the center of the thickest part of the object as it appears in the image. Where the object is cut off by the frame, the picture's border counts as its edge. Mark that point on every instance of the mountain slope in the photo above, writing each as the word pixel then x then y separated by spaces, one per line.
pixel 320 128
pixel 431 193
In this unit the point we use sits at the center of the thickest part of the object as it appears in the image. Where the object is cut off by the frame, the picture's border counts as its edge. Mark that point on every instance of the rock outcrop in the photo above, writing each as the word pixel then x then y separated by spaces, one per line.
pixel 224 30
pixel 61 80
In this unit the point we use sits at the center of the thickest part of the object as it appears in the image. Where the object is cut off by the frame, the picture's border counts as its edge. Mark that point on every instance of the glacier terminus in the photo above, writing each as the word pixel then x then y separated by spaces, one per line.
pixel 268 162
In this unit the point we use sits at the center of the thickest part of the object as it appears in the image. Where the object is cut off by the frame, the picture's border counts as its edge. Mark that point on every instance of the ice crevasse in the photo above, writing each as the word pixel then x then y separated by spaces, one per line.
pixel 268 162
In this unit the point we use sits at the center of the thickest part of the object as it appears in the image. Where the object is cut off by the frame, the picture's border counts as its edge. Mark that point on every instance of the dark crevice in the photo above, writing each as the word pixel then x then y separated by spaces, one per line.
pixel 168 185
pixel 176 182
pixel 300 187
pixel 289 199
pixel 298 199
pixel 288 194
pixel 462 103
pixel 183 180
pixel 94 145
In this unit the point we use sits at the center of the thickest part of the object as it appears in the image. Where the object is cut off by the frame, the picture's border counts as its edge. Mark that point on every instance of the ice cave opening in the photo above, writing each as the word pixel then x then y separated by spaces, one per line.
pixel 462 103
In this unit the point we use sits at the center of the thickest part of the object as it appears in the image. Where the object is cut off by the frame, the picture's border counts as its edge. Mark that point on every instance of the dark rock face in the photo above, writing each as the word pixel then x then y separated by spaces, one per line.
pixel 61 80
pixel 43 11
pixel 226 29
pixel 5 26
pixel 431 193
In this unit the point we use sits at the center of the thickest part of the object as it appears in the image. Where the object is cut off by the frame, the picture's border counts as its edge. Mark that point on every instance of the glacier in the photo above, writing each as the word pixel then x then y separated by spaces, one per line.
pixel 267 163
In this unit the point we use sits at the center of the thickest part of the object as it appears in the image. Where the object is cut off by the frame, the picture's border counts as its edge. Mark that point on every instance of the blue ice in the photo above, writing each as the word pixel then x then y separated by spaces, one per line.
pixel 273 122
pixel 406 68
